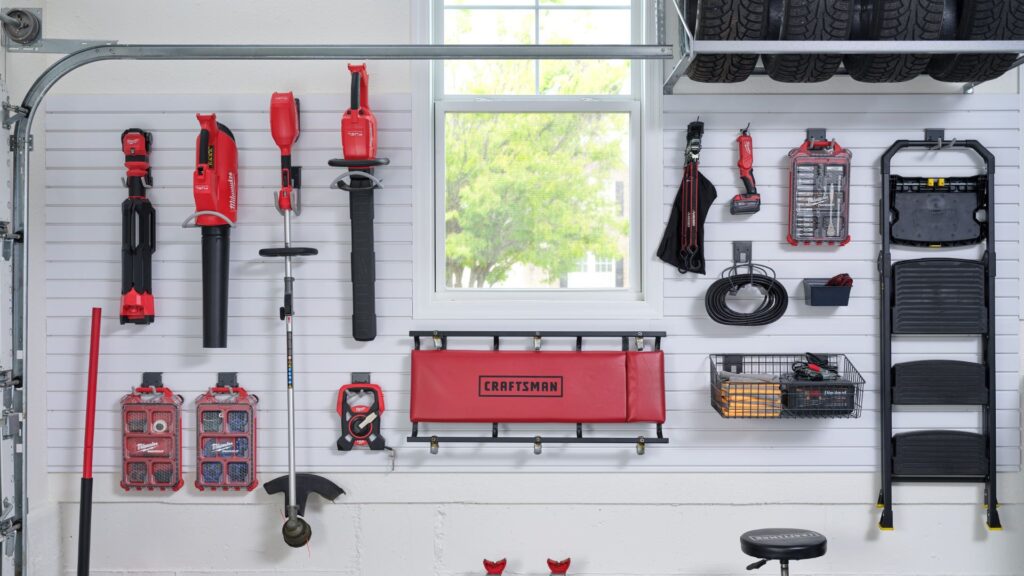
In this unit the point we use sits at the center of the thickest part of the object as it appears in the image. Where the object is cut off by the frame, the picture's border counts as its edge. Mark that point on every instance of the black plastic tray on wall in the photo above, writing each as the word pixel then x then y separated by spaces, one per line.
pixel 818 293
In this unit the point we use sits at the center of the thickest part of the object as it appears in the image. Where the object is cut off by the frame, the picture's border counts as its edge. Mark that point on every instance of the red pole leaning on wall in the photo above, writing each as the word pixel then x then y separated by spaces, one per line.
pixel 85 505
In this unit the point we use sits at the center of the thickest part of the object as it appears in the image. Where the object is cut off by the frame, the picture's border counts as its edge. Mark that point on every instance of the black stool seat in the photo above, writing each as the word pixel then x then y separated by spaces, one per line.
pixel 783 544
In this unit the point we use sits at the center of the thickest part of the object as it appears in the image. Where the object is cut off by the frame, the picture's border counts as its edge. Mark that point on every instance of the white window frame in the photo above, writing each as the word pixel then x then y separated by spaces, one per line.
pixel 432 299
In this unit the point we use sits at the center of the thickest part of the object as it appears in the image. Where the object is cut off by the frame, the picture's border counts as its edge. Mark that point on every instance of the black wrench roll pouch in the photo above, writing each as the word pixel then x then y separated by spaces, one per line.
pixel 670 250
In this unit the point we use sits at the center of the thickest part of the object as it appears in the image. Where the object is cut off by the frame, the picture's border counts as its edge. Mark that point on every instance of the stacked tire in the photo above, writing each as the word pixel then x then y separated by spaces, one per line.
pixel 854 20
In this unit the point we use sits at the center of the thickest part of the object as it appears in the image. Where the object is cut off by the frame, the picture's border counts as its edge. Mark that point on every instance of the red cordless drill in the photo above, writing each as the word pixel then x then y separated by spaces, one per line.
pixel 750 201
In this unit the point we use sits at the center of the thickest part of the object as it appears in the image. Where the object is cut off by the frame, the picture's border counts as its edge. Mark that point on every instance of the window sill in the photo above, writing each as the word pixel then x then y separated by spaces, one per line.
pixel 524 308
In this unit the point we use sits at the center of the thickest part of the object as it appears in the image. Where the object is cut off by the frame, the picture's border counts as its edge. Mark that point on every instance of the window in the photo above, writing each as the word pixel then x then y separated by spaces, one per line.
pixel 537 163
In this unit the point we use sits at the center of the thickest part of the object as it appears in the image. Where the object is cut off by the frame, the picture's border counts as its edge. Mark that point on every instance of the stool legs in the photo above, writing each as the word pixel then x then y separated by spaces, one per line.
pixel 784 564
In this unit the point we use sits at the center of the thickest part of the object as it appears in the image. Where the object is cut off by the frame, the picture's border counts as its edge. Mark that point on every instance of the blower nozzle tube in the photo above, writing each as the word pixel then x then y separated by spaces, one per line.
pixel 216 261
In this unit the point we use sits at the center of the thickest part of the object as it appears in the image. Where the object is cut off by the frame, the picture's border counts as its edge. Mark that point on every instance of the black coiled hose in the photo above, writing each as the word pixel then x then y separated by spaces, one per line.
pixel 776 300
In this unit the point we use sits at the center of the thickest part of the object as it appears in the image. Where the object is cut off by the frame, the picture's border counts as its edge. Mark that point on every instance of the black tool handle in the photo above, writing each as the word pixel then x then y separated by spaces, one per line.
pixel 368 163
pixel 291 251
pixel 354 102
pixel 216 262
pixel 364 313
pixel 84 527
pixel 138 242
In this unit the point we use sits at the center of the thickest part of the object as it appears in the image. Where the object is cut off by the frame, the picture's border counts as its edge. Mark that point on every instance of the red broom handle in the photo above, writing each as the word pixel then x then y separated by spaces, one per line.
pixel 90 403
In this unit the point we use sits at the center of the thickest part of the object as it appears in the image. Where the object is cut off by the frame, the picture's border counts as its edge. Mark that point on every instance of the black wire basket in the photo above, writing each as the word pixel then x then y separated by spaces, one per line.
pixel 785 386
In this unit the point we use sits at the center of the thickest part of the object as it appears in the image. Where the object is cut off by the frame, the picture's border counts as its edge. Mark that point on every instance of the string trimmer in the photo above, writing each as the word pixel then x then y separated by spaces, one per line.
pixel 284 126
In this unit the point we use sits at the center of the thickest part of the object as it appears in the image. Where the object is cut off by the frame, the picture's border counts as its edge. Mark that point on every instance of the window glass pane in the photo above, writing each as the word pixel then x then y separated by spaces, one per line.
pixel 506 77
pixel 601 3
pixel 585 77
pixel 492 2
pixel 528 196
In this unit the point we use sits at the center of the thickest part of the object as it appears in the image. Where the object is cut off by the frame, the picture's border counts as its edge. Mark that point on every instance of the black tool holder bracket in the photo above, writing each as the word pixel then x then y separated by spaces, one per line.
pixel 931 458
pixel 630 341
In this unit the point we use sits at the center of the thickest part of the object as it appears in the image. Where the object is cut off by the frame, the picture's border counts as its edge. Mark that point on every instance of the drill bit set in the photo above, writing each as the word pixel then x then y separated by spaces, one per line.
pixel 819 192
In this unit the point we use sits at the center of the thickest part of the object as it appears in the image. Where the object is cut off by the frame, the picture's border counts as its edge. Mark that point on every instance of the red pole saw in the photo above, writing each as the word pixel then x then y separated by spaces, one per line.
pixel 359 145
pixel 284 127
pixel 215 187
pixel 138 231
pixel 85 503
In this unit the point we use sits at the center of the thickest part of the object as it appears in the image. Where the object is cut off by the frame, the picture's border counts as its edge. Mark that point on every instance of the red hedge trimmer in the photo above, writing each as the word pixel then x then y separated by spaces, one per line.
pixel 359 145
pixel 284 127
pixel 138 231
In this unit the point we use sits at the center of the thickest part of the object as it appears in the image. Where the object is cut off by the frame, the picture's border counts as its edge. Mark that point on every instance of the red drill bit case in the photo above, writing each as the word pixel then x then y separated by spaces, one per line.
pixel 151 427
pixel 226 436
pixel 819 192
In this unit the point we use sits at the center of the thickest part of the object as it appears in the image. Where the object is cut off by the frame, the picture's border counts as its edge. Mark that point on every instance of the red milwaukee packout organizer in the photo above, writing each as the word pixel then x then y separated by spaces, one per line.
pixel 226 436
pixel 534 386
pixel 151 428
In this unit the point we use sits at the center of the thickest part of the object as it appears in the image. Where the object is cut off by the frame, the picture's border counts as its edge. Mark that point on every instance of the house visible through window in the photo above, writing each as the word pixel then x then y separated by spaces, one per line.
pixel 537 161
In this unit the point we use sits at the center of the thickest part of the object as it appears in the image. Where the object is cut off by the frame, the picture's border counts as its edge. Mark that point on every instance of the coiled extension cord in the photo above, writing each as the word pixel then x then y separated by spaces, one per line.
pixel 774 305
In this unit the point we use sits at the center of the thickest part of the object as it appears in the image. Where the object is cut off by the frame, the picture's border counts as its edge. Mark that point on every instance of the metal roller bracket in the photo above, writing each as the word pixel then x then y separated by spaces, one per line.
pixel 339 182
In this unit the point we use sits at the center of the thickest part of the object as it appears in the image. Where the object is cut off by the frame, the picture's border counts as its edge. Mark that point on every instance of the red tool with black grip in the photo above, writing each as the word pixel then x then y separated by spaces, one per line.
pixel 215 187
pixel 359 145
pixel 138 231
pixel 284 127
pixel 750 201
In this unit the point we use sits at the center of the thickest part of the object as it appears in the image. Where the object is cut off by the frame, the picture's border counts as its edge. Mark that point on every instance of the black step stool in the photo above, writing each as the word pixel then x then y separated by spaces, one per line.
pixel 782 544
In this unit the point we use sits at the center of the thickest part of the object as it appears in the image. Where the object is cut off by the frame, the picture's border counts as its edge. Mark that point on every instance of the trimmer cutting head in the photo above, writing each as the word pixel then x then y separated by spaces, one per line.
pixel 296 531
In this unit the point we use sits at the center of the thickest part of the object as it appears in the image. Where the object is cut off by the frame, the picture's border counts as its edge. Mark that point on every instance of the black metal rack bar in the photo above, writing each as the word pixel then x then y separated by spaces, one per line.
pixel 535 439
pixel 440 337
pixel 934 139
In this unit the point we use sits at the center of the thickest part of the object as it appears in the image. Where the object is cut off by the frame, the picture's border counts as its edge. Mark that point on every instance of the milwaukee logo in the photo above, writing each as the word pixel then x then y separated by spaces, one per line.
pixel 223 448
pixel 148 447
pixel 233 197
pixel 521 386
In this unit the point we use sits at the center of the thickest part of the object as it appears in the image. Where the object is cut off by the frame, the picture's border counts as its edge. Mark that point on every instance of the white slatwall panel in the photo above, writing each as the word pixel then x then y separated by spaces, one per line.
pixel 83 171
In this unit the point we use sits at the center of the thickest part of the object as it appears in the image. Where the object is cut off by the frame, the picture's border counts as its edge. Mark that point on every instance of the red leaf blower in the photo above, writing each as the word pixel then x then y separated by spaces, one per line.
pixel 138 231
pixel 359 145
pixel 215 186
pixel 284 127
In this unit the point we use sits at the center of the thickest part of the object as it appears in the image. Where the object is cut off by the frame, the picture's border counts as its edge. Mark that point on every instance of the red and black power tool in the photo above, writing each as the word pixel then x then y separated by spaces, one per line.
pixel 359 145
pixel 138 231
pixel 361 406
pixel 215 186
pixel 750 201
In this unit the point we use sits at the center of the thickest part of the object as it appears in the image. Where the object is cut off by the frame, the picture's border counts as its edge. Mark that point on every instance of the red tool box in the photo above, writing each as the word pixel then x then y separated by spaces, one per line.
pixel 226 436
pixel 151 425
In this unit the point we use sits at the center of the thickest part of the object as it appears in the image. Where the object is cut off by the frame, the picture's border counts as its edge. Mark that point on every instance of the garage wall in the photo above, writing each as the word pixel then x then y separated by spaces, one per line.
pixel 441 515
